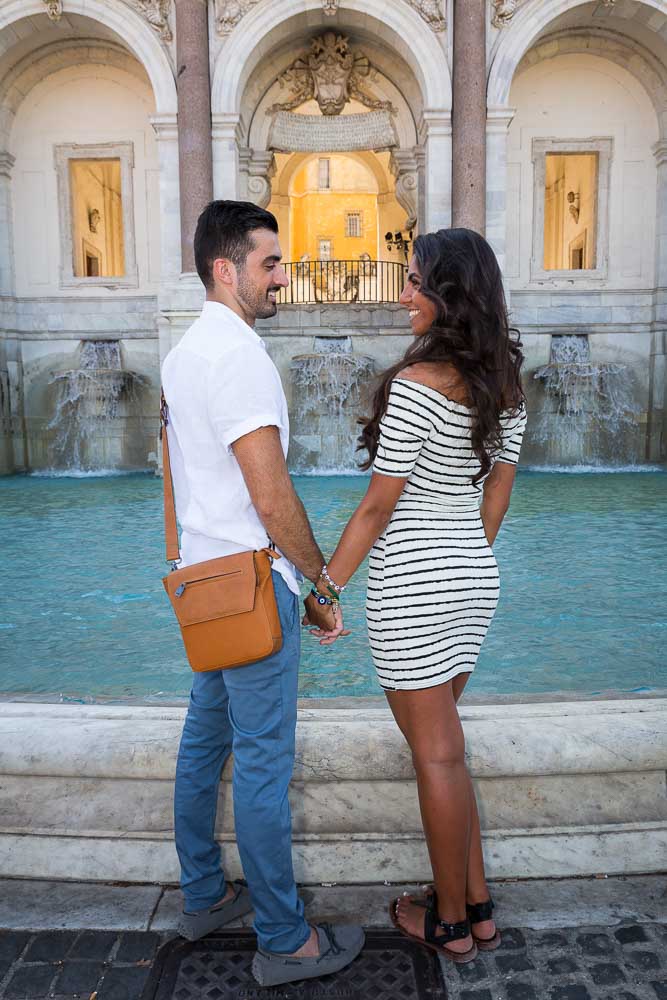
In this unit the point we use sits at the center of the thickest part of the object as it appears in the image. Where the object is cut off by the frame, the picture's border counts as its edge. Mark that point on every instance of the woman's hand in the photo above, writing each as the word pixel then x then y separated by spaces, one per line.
pixel 328 635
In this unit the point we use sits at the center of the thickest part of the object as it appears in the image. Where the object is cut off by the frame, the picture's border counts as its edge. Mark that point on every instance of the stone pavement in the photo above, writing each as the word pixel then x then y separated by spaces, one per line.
pixel 578 939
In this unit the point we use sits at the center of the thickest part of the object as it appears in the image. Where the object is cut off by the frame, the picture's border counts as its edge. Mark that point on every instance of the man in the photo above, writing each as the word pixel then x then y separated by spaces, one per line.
pixel 228 438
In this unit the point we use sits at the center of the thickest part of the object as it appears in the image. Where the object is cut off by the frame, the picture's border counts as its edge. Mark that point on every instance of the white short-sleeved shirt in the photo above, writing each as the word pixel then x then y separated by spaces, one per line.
pixel 220 383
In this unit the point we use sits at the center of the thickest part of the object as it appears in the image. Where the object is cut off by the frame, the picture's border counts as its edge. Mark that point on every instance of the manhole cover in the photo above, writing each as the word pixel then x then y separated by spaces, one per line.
pixel 218 968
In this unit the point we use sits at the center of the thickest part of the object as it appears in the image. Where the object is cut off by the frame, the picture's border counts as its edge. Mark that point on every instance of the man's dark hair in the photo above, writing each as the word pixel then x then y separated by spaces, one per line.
pixel 225 229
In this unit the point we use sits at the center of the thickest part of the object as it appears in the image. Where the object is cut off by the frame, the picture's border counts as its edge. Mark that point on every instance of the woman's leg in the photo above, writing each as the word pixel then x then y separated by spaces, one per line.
pixel 430 723
pixel 477 891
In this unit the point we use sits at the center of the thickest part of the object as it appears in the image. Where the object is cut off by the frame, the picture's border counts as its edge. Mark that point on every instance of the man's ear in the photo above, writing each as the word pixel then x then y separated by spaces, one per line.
pixel 224 271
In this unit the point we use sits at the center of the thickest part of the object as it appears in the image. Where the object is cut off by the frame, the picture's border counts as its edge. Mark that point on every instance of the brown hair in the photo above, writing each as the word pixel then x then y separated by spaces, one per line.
pixel 471 332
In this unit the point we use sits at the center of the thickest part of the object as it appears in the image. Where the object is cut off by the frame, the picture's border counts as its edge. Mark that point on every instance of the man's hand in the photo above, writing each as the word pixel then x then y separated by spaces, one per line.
pixel 320 615
pixel 332 631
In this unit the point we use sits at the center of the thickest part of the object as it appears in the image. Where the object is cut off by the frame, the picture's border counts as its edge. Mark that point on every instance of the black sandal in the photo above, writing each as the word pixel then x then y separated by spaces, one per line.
pixel 438 933
pixel 477 913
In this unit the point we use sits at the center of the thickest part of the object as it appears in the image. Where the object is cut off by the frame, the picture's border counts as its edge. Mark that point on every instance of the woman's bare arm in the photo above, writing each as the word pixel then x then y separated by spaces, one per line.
pixel 496 500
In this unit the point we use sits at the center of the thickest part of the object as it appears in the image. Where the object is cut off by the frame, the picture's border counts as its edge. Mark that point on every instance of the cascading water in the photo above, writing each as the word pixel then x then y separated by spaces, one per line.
pixel 589 413
pixel 330 390
pixel 92 404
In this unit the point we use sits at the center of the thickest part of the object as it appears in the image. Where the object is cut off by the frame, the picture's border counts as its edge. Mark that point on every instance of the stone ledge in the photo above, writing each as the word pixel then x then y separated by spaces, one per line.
pixel 344 744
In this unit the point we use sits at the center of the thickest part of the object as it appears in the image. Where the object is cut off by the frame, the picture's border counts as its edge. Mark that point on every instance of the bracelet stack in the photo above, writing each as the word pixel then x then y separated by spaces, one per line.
pixel 323 600
pixel 331 586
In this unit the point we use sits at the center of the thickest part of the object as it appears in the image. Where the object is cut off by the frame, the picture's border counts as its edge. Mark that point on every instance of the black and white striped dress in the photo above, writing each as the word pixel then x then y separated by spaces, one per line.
pixel 433 581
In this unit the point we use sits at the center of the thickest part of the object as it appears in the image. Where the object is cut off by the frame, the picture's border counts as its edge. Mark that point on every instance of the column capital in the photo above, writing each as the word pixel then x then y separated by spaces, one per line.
pixel 434 122
pixel 404 167
pixel 660 152
pixel 259 166
pixel 7 161
pixel 499 119
pixel 228 126
pixel 165 126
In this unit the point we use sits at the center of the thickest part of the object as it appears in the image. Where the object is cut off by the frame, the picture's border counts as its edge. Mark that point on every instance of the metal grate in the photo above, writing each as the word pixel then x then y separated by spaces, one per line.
pixel 218 968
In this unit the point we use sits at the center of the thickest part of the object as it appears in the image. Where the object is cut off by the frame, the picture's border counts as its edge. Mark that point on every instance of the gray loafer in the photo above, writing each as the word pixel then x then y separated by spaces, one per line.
pixel 197 925
pixel 339 946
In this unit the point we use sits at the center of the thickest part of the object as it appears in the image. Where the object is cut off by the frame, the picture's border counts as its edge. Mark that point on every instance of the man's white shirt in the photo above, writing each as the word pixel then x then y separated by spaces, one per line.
pixel 220 383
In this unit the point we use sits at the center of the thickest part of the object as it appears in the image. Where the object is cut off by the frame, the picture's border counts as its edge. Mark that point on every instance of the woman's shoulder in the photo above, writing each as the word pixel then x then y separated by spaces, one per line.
pixel 440 376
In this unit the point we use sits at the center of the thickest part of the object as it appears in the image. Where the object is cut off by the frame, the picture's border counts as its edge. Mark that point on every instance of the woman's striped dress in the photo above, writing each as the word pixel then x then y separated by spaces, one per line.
pixel 433 582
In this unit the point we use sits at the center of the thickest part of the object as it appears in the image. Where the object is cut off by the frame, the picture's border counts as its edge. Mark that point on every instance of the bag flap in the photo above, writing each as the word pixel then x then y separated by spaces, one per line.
pixel 217 588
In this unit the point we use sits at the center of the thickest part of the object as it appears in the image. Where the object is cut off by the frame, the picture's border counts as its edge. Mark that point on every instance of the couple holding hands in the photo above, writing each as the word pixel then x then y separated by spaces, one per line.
pixel 442 443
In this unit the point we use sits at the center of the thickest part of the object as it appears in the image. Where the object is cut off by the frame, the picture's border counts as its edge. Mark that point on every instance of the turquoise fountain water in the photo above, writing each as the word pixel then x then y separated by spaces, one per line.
pixel 83 614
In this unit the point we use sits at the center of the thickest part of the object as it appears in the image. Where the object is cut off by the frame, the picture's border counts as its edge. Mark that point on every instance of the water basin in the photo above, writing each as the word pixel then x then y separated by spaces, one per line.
pixel 83 615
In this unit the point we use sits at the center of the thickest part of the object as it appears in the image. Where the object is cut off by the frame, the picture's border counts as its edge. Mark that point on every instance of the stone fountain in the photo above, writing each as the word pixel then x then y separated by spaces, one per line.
pixel 95 405
pixel 330 390
pixel 589 415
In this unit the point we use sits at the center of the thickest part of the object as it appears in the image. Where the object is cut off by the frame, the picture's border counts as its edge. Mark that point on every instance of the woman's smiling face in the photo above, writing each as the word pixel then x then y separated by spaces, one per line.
pixel 422 311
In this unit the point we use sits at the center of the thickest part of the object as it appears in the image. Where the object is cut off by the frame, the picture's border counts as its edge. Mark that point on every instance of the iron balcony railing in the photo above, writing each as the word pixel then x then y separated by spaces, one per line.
pixel 343 281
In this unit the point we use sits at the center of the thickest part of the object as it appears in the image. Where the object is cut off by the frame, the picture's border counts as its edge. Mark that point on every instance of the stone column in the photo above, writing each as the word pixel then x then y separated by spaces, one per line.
pixel 6 240
pixel 166 131
pixel 498 123
pixel 435 135
pixel 194 120
pixel 227 134
pixel 469 115
pixel 656 437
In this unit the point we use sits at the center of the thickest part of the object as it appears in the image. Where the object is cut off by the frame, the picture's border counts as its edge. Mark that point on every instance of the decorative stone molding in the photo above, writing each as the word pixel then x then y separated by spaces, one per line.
pixel 332 74
pixel 330 7
pixel 156 12
pixel 404 167
pixel 7 161
pixel 54 9
pixel 258 167
pixel 228 13
pixel 503 12
pixel 344 133
pixel 604 149
pixel 431 11
pixel 659 152
pixel 124 151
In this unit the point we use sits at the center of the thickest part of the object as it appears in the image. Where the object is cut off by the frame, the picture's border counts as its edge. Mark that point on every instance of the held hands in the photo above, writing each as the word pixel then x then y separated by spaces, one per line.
pixel 327 619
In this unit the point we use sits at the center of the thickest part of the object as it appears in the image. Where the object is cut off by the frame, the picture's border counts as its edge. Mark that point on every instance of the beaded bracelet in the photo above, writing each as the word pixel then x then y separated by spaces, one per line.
pixel 325 576
pixel 322 599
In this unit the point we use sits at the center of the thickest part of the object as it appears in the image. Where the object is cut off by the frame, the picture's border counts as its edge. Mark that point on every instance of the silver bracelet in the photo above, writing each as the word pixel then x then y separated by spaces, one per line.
pixel 325 575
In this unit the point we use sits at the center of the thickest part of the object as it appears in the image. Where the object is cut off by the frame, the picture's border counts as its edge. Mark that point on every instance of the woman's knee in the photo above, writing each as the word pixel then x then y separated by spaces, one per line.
pixel 439 752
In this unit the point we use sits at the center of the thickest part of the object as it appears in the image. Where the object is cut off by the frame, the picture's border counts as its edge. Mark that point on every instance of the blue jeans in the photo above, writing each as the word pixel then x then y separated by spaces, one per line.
pixel 250 711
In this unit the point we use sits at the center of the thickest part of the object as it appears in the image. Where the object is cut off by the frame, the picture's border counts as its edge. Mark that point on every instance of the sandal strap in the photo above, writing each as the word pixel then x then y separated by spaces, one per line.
pixel 478 912
pixel 439 932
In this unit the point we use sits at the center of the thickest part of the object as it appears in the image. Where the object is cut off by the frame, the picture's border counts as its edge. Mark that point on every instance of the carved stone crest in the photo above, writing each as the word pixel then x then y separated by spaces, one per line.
pixel 228 13
pixel 156 12
pixel 431 11
pixel 331 74
pixel 503 12
pixel 54 9
pixel 330 7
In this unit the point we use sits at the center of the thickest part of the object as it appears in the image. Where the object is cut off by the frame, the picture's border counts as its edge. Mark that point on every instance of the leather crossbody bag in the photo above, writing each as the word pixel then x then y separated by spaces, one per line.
pixel 226 607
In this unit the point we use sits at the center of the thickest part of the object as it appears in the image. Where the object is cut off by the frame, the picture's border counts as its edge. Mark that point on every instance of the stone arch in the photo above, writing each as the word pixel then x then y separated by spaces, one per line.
pixel 130 28
pixel 529 23
pixel 297 161
pixel 615 48
pixel 393 23
pixel 52 58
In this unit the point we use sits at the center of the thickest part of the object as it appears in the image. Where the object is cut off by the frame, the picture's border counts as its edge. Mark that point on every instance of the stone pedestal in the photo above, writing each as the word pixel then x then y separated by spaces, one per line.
pixel 194 120
pixel 469 115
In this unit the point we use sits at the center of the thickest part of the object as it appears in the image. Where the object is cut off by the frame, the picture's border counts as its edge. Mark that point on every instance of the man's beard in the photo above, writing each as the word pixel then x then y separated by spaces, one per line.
pixel 257 300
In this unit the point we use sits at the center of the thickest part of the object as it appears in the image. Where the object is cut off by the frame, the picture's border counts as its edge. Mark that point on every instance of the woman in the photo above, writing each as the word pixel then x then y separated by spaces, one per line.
pixel 445 432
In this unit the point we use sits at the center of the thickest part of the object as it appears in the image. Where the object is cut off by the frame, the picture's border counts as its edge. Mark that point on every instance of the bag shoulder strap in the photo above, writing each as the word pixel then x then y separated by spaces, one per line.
pixel 170 526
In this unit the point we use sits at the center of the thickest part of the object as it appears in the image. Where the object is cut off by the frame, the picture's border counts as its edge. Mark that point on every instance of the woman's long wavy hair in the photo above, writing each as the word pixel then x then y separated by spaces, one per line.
pixel 471 332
